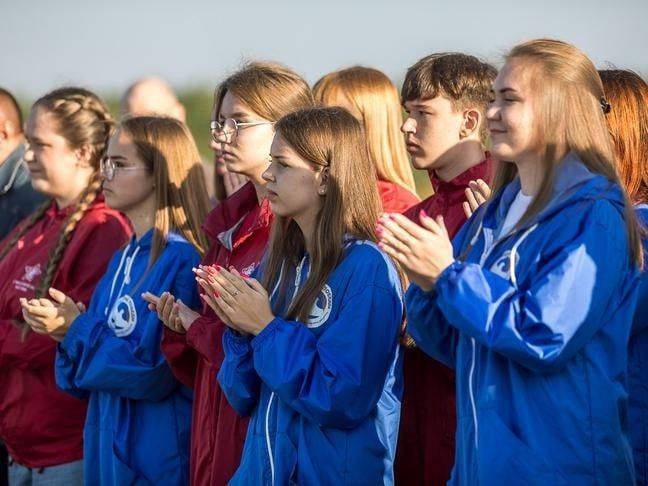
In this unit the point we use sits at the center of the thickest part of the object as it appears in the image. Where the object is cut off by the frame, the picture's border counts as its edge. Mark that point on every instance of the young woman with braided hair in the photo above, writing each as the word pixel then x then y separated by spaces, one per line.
pixel 65 244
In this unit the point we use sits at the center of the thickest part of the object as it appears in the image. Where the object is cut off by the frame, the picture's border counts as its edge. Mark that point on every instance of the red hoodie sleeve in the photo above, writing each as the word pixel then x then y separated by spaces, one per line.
pixel 181 357
pixel 206 336
pixel 97 237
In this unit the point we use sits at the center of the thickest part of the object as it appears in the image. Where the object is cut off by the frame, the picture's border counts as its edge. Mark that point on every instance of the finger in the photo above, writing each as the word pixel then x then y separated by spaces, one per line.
pixel 406 224
pixel 256 285
pixel 207 286
pixel 81 306
pixel 466 209
pixel 444 230
pixel 386 226
pixel 150 298
pixel 224 286
pixel 470 197
pixel 393 242
pixel 235 279
pixel 484 189
pixel 211 302
pixel 431 225
pixel 57 295
pixel 168 305
pixel 39 311
pixel 395 255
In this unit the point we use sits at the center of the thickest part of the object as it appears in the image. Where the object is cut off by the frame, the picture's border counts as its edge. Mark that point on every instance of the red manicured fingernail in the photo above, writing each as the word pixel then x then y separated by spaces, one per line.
pixel 218 268
pixel 422 214
pixel 379 230
pixel 216 294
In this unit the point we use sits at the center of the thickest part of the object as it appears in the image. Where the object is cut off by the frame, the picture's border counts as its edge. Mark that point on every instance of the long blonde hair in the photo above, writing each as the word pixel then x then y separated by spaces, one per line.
pixel 571 118
pixel 328 138
pixel 168 150
pixel 84 120
pixel 376 104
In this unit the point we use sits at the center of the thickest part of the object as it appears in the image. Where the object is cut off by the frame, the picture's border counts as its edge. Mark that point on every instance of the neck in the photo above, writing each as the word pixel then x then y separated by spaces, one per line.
pixel 530 176
pixel 7 148
pixel 464 156
pixel 142 217
pixel 307 225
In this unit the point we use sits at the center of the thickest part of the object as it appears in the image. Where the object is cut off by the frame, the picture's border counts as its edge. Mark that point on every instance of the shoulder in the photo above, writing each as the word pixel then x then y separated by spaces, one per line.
pixel 178 247
pixel 365 264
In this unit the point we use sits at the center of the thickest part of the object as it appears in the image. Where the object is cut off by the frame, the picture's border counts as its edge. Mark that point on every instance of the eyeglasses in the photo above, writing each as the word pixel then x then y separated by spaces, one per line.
pixel 229 129
pixel 108 167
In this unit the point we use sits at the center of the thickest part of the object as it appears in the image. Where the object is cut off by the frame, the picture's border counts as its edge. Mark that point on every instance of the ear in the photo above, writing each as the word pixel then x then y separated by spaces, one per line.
pixel 324 180
pixel 472 120
pixel 83 155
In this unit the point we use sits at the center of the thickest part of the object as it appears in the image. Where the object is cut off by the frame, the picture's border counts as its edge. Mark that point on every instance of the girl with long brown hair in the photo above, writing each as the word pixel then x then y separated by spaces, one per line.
pixel 372 98
pixel 533 301
pixel 247 104
pixel 111 353
pixel 67 244
pixel 627 94
pixel 312 352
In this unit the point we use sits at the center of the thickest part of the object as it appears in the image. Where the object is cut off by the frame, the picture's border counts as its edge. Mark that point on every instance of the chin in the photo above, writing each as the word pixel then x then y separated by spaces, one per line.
pixel 42 186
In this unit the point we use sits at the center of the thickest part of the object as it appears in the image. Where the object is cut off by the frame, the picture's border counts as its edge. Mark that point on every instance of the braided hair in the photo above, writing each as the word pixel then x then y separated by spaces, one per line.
pixel 84 120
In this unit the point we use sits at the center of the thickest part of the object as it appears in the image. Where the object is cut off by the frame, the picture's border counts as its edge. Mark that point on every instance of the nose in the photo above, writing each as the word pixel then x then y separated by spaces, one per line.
pixel 267 175
pixel 29 154
pixel 215 146
pixel 408 126
pixel 492 112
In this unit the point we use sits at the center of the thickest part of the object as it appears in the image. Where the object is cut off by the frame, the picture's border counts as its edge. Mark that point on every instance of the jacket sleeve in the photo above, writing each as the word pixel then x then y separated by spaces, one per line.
pixel 428 326
pixel 337 378
pixel 237 377
pixel 181 357
pixel 425 322
pixel 92 357
pixel 544 323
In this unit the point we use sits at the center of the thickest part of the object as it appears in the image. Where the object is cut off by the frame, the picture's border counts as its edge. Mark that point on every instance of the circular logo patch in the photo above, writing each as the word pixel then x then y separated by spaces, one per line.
pixel 123 316
pixel 321 309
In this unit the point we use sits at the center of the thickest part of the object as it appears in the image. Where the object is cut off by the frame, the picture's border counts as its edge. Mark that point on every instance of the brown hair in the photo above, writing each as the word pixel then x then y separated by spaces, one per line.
pixel 168 150
pixel 83 119
pixel 627 121
pixel 571 119
pixel 376 105
pixel 463 79
pixel 269 89
pixel 10 107
pixel 328 138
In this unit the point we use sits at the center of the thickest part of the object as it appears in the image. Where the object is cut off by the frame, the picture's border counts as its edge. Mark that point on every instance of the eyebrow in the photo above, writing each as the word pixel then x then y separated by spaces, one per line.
pixel 238 114
pixel 120 157
pixel 506 90
pixel 278 157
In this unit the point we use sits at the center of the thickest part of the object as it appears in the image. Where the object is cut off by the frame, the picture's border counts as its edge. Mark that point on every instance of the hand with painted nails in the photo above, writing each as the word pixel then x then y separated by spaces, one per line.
pixel 423 252
pixel 477 194
pixel 52 317
pixel 241 303
pixel 173 313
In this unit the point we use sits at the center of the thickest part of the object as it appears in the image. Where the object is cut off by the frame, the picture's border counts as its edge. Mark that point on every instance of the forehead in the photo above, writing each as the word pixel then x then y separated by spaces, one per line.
pixel 232 104
pixel 121 144
pixel 515 74
pixel 439 102
pixel 41 124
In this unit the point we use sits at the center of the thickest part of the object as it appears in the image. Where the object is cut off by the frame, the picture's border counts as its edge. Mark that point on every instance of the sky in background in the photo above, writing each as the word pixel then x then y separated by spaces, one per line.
pixel 106 45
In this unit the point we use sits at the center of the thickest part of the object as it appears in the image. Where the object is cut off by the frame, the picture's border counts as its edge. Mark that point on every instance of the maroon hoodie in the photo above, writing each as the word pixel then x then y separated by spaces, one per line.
pixel 426 438
pixel 40 425
pixel 239 229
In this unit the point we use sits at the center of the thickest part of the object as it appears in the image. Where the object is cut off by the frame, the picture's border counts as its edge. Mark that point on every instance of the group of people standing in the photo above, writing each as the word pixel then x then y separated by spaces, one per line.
pixel 321 324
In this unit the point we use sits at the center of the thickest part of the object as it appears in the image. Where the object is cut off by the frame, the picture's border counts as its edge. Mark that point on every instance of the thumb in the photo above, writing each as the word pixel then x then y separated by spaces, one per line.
pixel 58 296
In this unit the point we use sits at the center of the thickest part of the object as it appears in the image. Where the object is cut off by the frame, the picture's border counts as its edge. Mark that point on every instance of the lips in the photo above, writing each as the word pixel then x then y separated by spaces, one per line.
pixel 412 148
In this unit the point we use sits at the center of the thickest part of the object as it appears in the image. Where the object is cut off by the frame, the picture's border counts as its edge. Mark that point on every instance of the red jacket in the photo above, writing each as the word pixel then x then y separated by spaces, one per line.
pixel 426 438
pixel 395 198
pixel 239 230
pixel 40 425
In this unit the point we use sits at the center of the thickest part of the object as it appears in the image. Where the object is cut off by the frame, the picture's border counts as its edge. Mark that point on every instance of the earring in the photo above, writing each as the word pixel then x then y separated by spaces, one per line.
pixel 321 191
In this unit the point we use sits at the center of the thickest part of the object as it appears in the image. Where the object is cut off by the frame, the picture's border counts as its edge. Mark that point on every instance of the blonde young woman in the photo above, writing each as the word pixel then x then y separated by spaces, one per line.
pixel 66 244
pixel 533 302
pixel 373 100
pixel 139 415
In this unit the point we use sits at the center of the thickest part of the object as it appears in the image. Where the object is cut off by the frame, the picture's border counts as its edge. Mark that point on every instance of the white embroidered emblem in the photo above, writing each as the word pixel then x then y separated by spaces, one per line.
pixel 123 316
pixel 321 309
